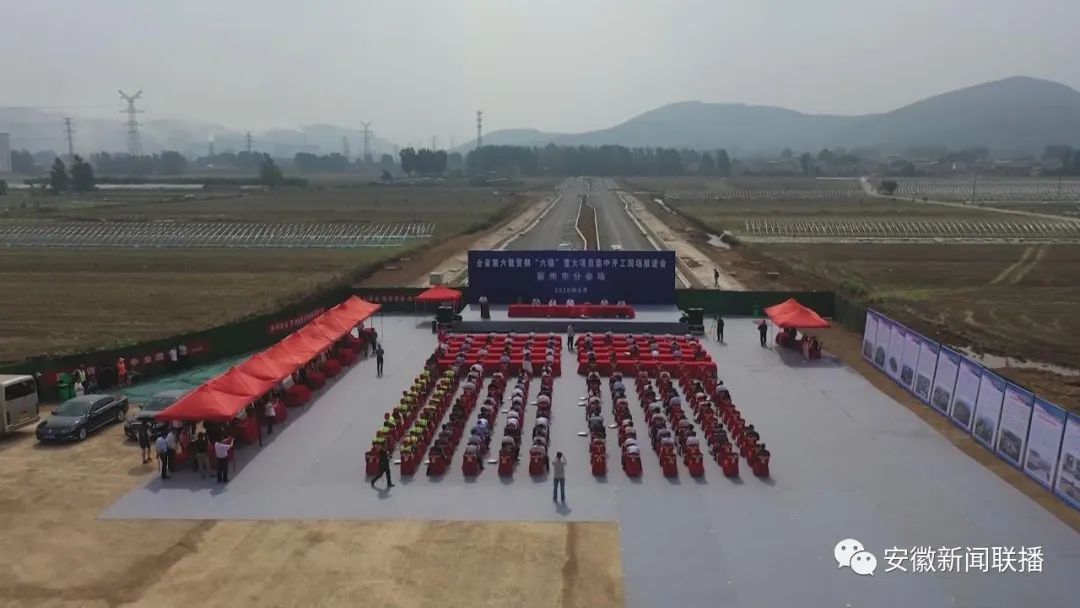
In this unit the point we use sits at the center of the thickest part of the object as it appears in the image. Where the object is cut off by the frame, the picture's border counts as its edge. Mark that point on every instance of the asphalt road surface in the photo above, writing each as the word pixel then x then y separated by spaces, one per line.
pixel 558 226
pixel 614 223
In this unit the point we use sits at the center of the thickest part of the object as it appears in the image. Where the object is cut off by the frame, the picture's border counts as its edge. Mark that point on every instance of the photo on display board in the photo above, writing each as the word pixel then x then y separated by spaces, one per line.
pixel 1068 474
pixel 1044 441
pixel 1014 424
pixel 988 407
pixel 910 359
pixel 924 371
pixel 948 363
pixel 869 335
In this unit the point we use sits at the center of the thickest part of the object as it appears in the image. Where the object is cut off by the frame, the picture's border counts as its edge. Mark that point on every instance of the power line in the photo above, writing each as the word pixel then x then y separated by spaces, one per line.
pixel 69 131
pixel 134 143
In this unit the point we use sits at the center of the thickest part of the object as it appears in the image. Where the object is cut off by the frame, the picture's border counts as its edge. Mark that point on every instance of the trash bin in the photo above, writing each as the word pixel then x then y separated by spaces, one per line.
pixel 757 310
pixel 64 389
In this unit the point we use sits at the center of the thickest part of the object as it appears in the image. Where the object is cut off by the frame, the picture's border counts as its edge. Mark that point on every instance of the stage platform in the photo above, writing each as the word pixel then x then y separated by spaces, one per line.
pixel 648 319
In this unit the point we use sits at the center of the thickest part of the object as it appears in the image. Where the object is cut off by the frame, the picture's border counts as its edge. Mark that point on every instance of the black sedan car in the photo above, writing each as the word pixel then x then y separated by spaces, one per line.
pixel 73 419
pixel 148 410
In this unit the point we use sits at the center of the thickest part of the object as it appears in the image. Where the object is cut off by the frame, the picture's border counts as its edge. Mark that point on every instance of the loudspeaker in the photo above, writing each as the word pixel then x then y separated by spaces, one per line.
pixel 444 315
pixel 696 316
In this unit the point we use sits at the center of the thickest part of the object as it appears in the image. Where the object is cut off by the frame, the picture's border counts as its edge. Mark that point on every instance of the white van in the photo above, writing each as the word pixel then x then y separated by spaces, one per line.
pixel 18 403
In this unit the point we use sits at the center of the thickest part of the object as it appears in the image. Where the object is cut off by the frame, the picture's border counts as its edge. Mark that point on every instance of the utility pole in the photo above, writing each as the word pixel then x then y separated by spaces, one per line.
pixel 479 128
pixel 434 143
pixel 69 130
pixel 134 144
pixel 345 146
pixel 367 136
pixel 247 139
pixel 974 181
pixel 210 147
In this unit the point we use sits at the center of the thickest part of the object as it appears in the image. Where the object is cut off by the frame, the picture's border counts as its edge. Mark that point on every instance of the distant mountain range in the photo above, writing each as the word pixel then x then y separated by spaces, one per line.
pixel 1019 114
pixel 37 130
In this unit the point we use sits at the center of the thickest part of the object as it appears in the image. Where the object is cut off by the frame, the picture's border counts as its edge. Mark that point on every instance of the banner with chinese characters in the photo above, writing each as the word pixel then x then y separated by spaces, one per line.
pixel 636 277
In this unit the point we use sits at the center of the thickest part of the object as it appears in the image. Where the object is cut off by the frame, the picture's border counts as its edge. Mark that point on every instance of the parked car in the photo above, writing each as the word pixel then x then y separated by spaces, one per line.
pixel 616 247
pixel 73 419
pixel 146 413
pixel 565 246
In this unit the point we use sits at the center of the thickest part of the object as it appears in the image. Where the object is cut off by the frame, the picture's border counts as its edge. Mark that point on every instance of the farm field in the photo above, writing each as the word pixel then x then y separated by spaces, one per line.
pixel 68 299
pixel 750 188
pixel 989 189
pixel 1014 300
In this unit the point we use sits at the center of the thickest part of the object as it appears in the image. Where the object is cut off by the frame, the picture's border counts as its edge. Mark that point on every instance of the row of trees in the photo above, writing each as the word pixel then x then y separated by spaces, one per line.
pixel 425 161
pixel 599 160
pixel 81 178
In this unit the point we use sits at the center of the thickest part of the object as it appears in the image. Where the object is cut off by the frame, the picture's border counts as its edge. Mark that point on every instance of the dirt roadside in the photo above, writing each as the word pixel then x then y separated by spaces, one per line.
pixel 59 554
pixel 690 253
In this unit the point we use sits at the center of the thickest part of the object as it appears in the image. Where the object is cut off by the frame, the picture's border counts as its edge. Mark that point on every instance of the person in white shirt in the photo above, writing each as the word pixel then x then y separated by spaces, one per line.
pixel 221 452
pixel 270 413
pixel 172 440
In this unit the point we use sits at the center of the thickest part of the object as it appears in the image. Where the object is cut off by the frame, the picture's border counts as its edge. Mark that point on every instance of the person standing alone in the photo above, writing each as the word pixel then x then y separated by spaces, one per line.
pixel 162 446
pixel 763 330
pixel 716 277
pixel 379 360
pixel 570 337
pixel 559 470
pixel 384 468
pixel 221 452
pixel 719 328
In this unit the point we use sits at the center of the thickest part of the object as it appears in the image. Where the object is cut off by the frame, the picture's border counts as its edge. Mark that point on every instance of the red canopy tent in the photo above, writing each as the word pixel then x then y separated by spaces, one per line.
pixel 265 368
pixel 439 294
pixel 792 314
pixel 205 403
pixel 223 397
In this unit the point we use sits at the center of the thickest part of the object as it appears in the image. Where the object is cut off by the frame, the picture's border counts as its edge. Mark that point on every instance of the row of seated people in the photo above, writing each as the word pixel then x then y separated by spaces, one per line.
pixel 510 447
pixel 538 451
pixel 713 408
pixel 594 418
pixel 415 444
pixel 479 443
pixel 663 405
pixel 398 420
pixel 508 356
pixel 628 444
pixel 442 450
pixel 494 340
pixel 644 342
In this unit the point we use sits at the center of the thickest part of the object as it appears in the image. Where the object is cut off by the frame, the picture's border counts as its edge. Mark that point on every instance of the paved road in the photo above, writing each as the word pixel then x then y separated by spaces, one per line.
pixel 615 225
pixel 558 225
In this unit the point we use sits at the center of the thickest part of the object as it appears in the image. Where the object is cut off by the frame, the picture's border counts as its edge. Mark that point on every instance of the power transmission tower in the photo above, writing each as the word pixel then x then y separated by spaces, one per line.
pixel 434 143
pixel 69 130
pixel 134 144
pixel 367 136
pixel 479 129
pixel 247 139
pixel 345 146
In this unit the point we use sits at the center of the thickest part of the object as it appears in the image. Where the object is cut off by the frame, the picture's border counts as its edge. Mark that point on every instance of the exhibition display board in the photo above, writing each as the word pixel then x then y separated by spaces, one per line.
pixel 1023 429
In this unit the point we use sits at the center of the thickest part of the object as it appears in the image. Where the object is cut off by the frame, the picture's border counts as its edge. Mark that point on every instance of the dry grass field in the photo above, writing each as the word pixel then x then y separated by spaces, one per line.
pixel 60 555
pixel 63 300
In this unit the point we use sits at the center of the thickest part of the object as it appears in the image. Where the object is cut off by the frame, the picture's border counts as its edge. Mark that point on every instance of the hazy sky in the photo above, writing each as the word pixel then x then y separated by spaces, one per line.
pixel 423 68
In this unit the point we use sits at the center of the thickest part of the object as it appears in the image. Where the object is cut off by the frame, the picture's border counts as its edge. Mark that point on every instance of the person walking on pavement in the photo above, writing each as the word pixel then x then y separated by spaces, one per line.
pixel 379 352
pixel 162 447
pixel 719 328
pixel 716 277
pixel 570 337
pixel 142 432
pixel 384 468
pixel 763 330
pixel 558 467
